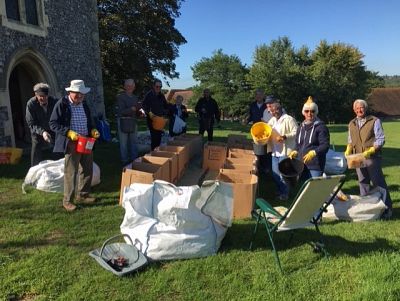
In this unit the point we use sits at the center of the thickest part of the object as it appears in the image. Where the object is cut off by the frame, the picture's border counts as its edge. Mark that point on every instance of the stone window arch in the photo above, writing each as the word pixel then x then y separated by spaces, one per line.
pixel 25 15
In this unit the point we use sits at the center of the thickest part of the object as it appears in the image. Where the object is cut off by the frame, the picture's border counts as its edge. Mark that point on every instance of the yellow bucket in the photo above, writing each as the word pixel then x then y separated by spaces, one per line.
pixel 261 132
pixel 158 122
pixel 10 155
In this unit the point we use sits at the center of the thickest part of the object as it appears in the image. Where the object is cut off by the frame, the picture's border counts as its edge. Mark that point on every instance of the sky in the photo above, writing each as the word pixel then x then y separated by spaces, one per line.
pixel 239 26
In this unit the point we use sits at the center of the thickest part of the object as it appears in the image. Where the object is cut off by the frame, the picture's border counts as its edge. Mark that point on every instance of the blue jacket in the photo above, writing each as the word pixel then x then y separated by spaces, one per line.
pixel 60 122
pixel 255 112
pixel 313 136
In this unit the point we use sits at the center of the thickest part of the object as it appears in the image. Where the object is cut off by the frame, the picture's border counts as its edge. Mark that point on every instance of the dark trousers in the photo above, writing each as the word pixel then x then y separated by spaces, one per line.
pixel 372 175
pixel 38 144
pixel 155 136
pixel 78 171
pixel 206 125
pixel 41 150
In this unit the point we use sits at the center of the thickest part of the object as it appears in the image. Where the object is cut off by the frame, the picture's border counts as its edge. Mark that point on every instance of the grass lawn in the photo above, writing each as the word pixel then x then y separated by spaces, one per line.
pixel 44 250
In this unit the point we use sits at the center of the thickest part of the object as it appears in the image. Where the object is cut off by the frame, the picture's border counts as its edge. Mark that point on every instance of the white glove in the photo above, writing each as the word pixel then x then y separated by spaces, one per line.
pixel 46 136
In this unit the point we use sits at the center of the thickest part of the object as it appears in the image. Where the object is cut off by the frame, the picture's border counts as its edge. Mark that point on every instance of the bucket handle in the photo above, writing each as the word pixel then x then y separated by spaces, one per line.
pixel 112 238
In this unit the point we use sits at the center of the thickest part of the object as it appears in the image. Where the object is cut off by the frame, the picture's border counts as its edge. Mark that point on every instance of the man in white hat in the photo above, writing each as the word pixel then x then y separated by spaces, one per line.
pixel 38 112
pixel 70 119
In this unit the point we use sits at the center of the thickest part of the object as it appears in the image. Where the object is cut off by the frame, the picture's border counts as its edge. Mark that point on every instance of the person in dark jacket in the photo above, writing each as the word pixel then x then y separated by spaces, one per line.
pixel 70 119
pixel 155 104
pixel 257 107
pixel 177 109
pixel 366 136
pixel 38 112
pixel 312 141
pixel 207 110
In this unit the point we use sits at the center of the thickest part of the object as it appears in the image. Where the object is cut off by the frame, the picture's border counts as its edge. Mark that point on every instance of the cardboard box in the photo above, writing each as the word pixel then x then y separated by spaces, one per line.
pixel 186 144
pixel 173 164
pixel 239 141
pixel 214 155
pixel 164 164
pixel 144 173
pixel 244 191
pixel 180 152
pixel 241 153
pixel 240 164
pixel 197 143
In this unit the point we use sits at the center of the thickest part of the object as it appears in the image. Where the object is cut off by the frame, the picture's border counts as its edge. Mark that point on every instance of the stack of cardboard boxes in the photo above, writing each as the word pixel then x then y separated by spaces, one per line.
pixel 232 162
pixel 167 162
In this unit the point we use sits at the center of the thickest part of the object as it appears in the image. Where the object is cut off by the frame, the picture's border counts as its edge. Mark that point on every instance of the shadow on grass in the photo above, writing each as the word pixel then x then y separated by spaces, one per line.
pixel 239 237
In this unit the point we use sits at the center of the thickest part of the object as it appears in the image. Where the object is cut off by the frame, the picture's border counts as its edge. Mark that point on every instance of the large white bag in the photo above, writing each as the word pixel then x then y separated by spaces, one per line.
pixel 358 208
pixel 169 222
pixel 48 176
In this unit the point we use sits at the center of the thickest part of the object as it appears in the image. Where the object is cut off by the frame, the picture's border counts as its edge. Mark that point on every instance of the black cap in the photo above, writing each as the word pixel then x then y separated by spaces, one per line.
pixel 42 91
pixel 270 99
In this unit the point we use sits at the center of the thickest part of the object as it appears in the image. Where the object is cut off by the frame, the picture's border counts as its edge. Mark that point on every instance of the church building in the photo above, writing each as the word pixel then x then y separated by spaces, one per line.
pixel 49 41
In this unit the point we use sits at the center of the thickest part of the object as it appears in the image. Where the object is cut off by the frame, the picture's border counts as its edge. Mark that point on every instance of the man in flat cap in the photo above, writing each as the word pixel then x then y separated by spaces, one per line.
pixel 38 112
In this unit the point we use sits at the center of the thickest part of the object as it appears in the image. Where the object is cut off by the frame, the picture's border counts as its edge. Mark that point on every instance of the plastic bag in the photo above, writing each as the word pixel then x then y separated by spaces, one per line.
pixel 48 176
pixel 336 163
pixel 358 208
pixel 179 125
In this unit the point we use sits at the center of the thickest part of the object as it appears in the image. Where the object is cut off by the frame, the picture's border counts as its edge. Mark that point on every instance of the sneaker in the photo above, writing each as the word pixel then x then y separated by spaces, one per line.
pixel 387 214
pixel 69 206
pixel 85 200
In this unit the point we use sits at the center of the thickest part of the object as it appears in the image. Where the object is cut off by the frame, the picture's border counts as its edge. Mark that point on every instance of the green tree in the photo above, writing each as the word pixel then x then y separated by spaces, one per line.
pixel 225 76
pixel 339 76
pixel 137 38
pixel 281 71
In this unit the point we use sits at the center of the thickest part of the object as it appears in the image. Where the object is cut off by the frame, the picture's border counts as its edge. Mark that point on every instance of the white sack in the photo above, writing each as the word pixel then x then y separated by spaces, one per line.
pixel 48 176
pixel 169 222
pixel 336 163
pixel 358 208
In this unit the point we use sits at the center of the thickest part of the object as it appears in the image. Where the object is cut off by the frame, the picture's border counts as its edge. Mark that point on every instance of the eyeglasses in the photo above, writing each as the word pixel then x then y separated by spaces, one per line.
pixel 157 86
pixel 309 111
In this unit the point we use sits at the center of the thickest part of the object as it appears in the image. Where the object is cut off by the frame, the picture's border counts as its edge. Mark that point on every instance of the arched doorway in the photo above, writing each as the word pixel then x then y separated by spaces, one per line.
pixel 20 89
pixel 25 68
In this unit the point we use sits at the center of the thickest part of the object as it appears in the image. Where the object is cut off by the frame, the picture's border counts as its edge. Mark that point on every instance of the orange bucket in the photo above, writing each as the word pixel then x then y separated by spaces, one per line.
pixel 84 145
pixel 158 122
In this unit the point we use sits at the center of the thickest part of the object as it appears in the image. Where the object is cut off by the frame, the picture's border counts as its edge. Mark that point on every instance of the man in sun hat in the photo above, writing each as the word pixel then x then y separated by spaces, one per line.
pixel 70 119
pixel 312 141
pixel 38 112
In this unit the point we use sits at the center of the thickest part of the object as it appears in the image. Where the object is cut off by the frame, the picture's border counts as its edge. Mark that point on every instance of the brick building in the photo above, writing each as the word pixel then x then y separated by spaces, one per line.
pixel 45 41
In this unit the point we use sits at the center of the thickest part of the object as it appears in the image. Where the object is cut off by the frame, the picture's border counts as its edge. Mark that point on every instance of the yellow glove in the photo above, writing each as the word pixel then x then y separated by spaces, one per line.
pixel 293 154
pixel 72 135
pixel 95 133
pixel 369 152
pixel 151 115
pixel 348 151
pixel 309 156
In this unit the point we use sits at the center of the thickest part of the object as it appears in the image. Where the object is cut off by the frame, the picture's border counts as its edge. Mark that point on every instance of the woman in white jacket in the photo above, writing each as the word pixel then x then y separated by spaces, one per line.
pixel 282 142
